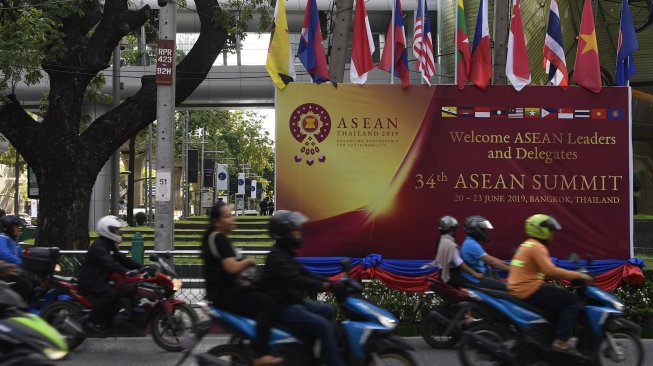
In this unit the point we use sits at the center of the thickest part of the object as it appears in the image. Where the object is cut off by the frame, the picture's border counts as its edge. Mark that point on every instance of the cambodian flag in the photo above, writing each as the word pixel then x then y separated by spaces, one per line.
pixel 311 50
pixel 554 54
pixel 626 47
pixel 400 57
pixel 481 71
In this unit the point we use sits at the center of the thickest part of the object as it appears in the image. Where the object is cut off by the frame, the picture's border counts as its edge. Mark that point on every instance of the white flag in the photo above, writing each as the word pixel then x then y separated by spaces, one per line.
pixel 241 183
pixel 223 178
pixel 253 189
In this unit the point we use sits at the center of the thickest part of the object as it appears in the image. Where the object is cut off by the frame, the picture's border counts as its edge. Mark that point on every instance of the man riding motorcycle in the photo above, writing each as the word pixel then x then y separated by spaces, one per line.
pixel 11 252
pixel 286 280
pixel 475 256
pixel 528 268
pixel 103 257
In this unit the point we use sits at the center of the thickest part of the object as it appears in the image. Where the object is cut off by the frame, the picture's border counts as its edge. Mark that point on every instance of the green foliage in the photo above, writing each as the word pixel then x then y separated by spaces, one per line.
pixel 638 300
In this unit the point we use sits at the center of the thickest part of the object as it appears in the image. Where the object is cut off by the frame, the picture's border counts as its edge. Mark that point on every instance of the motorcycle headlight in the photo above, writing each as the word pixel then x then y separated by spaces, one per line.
pixel 176 284
pixel 387 322
pixel 54 353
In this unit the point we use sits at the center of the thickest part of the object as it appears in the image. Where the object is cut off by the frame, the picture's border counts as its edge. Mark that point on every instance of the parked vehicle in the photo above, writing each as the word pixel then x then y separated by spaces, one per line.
pixel 366 337
pixel 605 336
pixel 25 338
pixel 147 304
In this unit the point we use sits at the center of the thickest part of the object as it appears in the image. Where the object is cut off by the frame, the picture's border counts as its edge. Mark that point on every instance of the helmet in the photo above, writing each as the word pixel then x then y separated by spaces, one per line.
pixel 476 225
pixel 448 223
pixel 108 227
pixel 540 226
pixel 7 224
pixel 283 223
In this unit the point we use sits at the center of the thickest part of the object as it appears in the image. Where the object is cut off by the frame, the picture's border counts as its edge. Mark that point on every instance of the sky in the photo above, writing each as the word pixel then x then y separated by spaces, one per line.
pixel 268 123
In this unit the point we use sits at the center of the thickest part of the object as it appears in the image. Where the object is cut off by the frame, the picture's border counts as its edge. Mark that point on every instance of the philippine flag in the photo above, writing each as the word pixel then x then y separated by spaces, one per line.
pixel 311 50
pixel 517 69
pixel 362 46
pixel 481 71
pixel 554 54
pixel 400 57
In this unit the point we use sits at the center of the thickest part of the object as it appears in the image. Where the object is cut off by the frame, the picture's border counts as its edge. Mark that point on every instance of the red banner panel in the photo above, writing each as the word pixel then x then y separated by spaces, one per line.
pixel 375 167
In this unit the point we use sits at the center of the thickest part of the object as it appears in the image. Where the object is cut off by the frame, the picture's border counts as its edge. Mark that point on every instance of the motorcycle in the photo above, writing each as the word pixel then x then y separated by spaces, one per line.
pixel 147 304
pixel 442 326
pixel 25 338
pixel 606 337
pixel 365 337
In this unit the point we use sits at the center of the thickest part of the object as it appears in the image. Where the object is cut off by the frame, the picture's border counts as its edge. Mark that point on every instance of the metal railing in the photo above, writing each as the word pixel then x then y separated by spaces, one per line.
pixel 187 264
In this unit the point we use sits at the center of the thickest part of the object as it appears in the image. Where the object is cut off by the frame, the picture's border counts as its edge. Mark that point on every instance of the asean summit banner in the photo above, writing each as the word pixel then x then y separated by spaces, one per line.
pixel 374 167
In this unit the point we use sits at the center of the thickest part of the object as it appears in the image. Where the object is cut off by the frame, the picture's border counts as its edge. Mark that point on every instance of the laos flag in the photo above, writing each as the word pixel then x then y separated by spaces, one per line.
pixel 311 50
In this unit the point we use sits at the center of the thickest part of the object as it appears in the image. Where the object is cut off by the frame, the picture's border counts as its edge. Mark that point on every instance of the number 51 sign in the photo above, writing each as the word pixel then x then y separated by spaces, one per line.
pixel 163 186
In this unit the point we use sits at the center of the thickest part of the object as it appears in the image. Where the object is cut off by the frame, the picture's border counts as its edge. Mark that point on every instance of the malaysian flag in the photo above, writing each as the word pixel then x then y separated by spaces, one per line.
pixel 516 113
pixel 554 54
pixel 423 44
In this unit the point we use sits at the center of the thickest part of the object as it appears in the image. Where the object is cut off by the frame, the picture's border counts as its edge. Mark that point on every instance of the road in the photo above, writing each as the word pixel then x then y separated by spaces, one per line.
pixel 143 352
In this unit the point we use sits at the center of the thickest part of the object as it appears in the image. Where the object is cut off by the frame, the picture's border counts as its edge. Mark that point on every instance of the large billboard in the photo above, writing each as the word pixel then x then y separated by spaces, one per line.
pixel 374 167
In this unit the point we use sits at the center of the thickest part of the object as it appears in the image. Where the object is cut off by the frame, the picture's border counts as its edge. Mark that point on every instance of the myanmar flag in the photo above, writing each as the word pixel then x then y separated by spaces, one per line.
pixel 462 43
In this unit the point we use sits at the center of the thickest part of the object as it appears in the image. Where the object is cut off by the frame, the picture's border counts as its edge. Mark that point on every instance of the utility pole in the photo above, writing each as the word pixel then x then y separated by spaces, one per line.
pixel 16 184
pixel 115 157
pixel 501 11
pixel 184 212
pixel 165 109
pixel 340 40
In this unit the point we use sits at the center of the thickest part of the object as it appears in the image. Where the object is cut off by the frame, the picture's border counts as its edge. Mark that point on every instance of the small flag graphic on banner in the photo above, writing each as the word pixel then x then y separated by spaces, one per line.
pixel 615 113
pixel 448 112
pixel 599 113
pixel 482 112
pixel 582 113
pixel 516 113
pixel 565 113
pixel 549 113
pixel 499 112
pixel 531 113
pixel 465 112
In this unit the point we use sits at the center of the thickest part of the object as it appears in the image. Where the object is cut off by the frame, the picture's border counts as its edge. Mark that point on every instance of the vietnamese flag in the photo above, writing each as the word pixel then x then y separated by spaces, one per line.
pixel 599 113
pixel 587 71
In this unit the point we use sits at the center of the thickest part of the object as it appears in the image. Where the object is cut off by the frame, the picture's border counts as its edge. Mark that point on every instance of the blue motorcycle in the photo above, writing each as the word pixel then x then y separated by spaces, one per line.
pixel 366 337
pixel 518 333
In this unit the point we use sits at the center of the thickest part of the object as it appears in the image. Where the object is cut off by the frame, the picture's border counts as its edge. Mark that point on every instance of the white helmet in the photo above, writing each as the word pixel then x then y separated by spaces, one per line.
pixel 108 226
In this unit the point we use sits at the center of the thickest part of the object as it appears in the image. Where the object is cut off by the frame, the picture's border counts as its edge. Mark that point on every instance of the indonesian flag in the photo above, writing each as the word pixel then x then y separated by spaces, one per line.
pixel 517 69
pixel 554 53
pixel 481 71
pixel 362 46
pixel 587 71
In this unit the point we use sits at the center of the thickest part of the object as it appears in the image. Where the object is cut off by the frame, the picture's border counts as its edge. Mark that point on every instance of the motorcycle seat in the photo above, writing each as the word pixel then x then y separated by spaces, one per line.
pixel 507 296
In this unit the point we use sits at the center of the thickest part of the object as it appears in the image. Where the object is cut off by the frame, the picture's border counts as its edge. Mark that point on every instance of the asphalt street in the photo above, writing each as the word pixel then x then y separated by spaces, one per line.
pixel 143 352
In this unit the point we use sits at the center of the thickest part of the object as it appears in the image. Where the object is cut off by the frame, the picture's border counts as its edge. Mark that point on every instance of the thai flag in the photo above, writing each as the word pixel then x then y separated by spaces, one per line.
pixel 362 46
pixel 481 71
pixel 311 50
pixel 400 57
pixel 626 47
pixel 554 54
pixel 423 43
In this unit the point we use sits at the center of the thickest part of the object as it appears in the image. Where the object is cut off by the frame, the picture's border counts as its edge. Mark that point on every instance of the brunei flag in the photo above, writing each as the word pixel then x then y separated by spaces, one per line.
pixel 279 62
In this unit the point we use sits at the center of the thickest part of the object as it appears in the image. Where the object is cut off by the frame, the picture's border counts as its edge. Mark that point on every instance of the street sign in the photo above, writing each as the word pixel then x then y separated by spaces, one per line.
pixel 165 61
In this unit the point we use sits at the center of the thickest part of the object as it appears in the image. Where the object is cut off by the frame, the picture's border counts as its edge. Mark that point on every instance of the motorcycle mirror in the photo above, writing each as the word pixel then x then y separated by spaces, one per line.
pixel 589 260
pixel 345 263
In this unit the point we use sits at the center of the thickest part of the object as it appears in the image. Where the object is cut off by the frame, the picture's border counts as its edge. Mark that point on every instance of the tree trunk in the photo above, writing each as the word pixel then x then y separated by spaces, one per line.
pixel 130 181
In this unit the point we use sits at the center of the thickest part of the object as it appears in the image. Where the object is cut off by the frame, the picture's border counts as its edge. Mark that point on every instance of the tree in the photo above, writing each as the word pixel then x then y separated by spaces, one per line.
pixel 72 42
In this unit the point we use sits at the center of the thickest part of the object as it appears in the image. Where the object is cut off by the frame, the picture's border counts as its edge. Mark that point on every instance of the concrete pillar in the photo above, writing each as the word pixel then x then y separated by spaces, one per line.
pixel 99 206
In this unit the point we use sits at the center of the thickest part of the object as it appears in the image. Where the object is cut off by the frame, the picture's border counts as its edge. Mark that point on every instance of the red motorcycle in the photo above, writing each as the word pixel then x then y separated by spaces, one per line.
pixel 147 305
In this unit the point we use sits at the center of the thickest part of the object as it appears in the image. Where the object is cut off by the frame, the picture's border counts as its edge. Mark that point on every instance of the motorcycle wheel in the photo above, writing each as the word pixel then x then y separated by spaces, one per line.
pixel 392 357
pixel 470 355
pixel 230 355
pixel 59 314
pixel 629 346
pixel 168 336
pixel 432 326
pixel 24 356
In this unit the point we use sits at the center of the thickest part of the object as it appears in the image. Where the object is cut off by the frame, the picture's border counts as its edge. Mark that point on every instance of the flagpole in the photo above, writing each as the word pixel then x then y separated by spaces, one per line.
pixel 455 44
pixel 392 45
pixel 423 35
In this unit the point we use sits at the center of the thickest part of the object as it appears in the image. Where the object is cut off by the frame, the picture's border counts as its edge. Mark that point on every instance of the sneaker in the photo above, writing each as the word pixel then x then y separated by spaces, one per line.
pixel 267 360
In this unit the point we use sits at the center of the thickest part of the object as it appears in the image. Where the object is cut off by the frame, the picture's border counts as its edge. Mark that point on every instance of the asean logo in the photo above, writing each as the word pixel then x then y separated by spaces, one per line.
pixel 310 124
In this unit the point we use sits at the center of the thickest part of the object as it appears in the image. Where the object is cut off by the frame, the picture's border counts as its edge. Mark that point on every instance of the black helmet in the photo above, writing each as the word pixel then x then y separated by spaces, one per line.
pixel 282 224
pixel 7 224
pixel 447 223
pixel 476 225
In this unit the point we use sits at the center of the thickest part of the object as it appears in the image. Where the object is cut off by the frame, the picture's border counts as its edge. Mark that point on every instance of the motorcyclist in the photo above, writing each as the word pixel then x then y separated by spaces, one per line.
pixel 223 271
pixel 447 251
pixel 11 252
pixel 475 256
pixel 529 266
pixel 286 280
pixel 103 258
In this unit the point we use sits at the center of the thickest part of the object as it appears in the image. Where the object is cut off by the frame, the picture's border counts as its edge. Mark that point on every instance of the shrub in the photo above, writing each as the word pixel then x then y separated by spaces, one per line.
pixel 140 218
